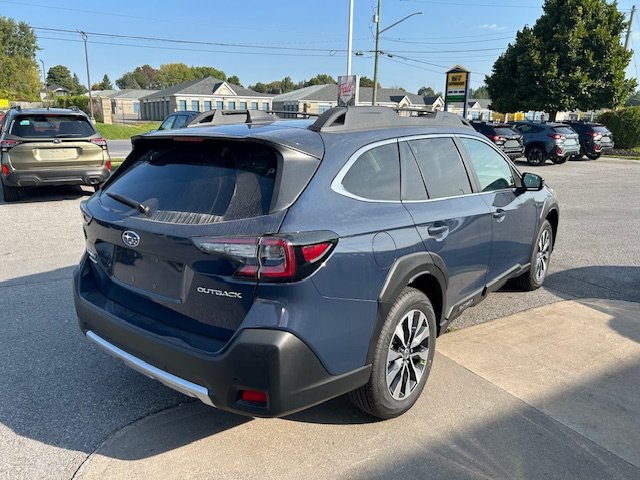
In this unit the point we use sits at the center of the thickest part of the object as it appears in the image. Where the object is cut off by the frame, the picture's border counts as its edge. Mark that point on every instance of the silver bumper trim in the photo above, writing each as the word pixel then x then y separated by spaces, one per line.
pixel 176 383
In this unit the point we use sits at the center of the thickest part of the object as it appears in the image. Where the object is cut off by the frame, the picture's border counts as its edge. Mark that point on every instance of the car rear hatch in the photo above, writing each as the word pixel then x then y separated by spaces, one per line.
pixel 603 137
pixel 171 236
pixel 512 138
pixel 569 138
pixel 54 141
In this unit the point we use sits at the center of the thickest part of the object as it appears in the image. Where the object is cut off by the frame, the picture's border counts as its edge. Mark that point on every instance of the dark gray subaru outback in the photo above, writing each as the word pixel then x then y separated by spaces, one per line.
pixel 266 266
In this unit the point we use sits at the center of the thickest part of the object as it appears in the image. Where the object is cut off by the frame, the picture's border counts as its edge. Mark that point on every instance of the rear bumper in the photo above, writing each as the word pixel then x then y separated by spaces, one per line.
pixel 513 152
pixel 58 176
pixel 273 361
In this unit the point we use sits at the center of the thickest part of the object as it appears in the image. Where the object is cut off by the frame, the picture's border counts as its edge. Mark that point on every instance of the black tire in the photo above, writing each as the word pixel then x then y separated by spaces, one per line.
pixel 534 277
pixel 593 156
pixel 559 160
pixel 10 194
pixel 411 308
pixel 536 156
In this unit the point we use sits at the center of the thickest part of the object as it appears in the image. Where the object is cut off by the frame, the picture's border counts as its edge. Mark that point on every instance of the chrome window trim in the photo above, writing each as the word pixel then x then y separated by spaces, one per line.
pixel 172 381
pixel 336 184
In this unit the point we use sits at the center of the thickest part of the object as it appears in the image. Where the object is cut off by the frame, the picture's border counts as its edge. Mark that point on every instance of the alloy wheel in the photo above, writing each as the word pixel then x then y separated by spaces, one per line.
pixel 407 355
pixel 542 256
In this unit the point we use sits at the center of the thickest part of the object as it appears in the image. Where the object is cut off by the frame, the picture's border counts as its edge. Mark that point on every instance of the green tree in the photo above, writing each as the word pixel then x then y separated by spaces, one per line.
pixel 481 92
pixel 61 75
pixel 287 85
pixel 320 79
pixel 366 82
pixel 145 76
pixel 234 80
pixel 259 87
pixel 106 84
pixel 204 72
pixel 634 99
pixel 19 72
pixel 128 80
pixel 77 86
pixel 571 58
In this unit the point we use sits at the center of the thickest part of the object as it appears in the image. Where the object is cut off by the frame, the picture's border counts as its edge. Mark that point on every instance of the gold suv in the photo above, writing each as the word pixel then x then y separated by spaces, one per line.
pixel 50 147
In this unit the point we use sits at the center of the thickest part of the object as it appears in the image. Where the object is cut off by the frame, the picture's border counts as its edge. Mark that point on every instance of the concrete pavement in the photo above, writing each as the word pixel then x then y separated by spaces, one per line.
pixel 552 392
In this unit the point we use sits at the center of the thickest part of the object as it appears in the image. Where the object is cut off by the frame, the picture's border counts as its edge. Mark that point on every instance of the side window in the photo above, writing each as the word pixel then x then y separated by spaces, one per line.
pixel 493 171
pixel 375 175
pixel 412 184
pixel 180 121
pixel 168 123
pixel 523 128
pixel 441 166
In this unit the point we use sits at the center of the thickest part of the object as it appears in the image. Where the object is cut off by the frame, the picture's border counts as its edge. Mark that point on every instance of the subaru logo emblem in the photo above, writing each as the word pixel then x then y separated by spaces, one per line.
pixel 55 140
pixel 130 238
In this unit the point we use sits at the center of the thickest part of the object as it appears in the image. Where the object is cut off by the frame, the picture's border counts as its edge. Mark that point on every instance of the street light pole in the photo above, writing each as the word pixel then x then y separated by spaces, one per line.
pixel 377 50
pixel 350 40
pixel 44 82
pixel 629 24
pixel 86 59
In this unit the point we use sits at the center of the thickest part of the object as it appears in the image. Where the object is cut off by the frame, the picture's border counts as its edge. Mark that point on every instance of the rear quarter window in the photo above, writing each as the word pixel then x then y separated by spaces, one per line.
pixel 375 175
pixel 198 182
pixel 564 130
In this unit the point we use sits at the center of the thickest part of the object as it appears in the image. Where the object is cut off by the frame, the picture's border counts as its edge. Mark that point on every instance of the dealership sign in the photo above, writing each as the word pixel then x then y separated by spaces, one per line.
pixel 457 90
pixel 348 90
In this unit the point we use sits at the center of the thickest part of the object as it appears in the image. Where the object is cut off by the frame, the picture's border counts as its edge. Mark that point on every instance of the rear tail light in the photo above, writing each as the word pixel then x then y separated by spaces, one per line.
pixel 559 151
pixel 7 145
pixel 108 165
pixel 556 136
pixel 271 258
pixel 595 135
pixel 101 142
pixel 5 170
pixel 497 138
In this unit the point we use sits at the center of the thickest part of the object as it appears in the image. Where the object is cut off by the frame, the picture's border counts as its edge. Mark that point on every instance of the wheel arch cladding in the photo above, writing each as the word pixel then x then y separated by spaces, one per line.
pixel 420 271
pixel 553 218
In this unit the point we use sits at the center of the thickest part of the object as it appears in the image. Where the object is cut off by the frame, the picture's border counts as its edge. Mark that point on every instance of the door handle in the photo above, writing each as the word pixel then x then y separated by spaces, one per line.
pixel 437 230
pixel 499 214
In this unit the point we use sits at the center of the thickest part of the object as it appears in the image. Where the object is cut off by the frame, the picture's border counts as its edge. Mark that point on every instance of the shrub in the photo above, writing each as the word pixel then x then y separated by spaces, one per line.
pixel 625 126
pixel 80 101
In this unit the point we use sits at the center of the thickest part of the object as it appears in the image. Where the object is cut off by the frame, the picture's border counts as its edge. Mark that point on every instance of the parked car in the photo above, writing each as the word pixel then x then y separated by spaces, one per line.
pixel 595 138
pixel 178 119
pixel 506 138
pixel 542 141
pixel 291 261
pixel 50 147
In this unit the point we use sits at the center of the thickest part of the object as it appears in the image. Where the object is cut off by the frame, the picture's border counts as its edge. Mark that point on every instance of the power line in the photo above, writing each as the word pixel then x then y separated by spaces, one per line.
pixel 194 49
pixel 448 43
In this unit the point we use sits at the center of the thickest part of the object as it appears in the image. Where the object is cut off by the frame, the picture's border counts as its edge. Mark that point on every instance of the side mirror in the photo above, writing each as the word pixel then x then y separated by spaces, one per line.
pixel 532 182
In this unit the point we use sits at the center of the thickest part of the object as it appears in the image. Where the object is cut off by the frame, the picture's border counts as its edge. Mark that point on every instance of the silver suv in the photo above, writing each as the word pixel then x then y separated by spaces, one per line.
pixel 50 147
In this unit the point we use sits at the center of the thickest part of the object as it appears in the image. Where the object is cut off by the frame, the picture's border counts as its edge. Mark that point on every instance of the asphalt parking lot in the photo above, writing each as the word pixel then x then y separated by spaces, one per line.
pixel 60 399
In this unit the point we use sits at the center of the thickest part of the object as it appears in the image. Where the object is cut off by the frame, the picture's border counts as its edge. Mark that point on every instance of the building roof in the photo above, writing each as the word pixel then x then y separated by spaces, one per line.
pixel 55 87
pixel 329 93
pixel 483 102
pixel 204 86
pixel 102 93
pixel 133 93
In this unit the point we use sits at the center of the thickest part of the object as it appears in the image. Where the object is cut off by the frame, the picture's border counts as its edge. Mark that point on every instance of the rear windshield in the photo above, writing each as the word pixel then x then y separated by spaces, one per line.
pixel 47 126
pixel 505 131
pixel 564 130
pixel 198 182
pixel 601 129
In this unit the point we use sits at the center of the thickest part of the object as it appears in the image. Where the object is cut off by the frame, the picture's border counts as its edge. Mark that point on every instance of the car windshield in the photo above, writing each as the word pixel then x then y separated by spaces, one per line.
pixel 48 126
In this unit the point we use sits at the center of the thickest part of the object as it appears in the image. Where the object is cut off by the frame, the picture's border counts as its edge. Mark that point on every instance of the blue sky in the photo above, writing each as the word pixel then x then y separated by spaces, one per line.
pixel 296 38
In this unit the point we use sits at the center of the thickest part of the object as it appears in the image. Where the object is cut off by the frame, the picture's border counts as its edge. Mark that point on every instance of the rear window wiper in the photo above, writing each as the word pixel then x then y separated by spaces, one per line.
pixel 141 207
pixel 67 135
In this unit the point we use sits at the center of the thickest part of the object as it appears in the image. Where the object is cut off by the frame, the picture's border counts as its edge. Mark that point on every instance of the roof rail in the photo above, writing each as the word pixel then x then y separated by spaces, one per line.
pixel 74 108
pixel 229 117
pixel 292 112
pixel 345 119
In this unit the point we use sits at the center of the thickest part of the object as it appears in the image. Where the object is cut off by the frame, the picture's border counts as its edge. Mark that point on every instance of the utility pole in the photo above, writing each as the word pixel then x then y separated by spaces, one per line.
pixel 377 52
pixel 350 40
pixel 626 40
pixel 376 19
pixel 86 59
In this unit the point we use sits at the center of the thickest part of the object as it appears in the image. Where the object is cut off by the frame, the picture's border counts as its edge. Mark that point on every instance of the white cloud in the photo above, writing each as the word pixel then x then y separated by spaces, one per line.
pixel 492 26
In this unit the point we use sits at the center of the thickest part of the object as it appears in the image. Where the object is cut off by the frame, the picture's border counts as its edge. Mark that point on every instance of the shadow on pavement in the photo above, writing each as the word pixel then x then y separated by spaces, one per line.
pixel 51 194
pixel 607 282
